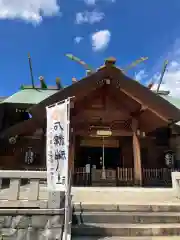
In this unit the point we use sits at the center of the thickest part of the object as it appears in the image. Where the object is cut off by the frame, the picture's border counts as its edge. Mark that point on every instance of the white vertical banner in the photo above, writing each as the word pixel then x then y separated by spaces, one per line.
pixel 57 146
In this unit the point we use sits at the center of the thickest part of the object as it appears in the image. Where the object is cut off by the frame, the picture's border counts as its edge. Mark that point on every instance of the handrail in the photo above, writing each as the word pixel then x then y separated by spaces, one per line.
pixel 34 197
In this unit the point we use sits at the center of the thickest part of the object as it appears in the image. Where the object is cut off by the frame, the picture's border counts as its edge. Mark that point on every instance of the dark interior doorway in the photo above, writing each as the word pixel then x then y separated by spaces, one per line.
pixel 93 156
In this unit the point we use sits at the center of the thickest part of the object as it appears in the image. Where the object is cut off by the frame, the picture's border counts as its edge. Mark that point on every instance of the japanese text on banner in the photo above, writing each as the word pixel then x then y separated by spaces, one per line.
pixel 57 146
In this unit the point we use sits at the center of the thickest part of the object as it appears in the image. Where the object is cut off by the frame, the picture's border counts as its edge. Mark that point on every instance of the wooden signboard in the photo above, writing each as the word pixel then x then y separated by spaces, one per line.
pixel 98 142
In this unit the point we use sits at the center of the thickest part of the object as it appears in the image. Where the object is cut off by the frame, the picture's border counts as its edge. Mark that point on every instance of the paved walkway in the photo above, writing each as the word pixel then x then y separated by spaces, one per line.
pixel 120 195
pixel 125 195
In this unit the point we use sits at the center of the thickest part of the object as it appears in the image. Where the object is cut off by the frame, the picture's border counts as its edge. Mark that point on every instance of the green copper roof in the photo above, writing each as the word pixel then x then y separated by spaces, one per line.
pixel 2 98
pixel 30 96
pixel 173 100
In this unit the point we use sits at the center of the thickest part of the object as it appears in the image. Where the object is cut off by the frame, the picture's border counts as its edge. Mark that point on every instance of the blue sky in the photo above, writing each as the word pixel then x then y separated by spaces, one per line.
pixel 91 30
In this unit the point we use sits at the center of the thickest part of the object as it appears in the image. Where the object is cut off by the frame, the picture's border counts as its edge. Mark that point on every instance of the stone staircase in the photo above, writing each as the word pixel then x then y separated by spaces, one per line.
pixel 126 222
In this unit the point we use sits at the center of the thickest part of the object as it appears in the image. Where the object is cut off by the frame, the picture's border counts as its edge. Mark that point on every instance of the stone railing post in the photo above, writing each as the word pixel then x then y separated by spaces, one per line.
pixel 176 183
pixel 51 212
pixel 15 182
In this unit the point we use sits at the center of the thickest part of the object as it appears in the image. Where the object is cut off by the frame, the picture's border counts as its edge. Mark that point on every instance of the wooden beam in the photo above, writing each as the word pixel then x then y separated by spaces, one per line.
pixel 96 115
pixel 144 106
pixel 135 114
pixel 118 101
pixel 104 96
pixel 139 111
pixel 114 125
pixel 136 154
pixel 86 102
pixel 120 132
pixel 71 152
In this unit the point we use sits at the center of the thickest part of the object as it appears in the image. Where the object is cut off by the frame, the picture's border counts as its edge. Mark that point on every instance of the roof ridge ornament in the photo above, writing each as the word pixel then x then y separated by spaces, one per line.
pixel 74 80
pixel 42 81
pixel 58 83
pixel 111 61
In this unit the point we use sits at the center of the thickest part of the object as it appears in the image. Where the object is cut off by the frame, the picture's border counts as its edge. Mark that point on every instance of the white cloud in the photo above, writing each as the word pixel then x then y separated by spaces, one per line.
pixel 90 2
pixel 100 40
pixel 89 17
pixel 171 80
pixel 140 75
pixel 93 2
pixel 78 39
pixel 28 10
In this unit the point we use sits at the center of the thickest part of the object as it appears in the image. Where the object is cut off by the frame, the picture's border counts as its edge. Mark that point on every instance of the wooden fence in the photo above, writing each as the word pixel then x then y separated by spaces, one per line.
pixel 81 177
pixel 124 176
pixel 157 177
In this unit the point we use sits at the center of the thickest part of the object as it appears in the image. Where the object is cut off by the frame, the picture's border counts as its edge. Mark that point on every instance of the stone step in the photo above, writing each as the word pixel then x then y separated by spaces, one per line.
pixel 124 195
pixel 105 207
pixel 35 221
pixel 126 217
pixel 122 230
pixel 126 238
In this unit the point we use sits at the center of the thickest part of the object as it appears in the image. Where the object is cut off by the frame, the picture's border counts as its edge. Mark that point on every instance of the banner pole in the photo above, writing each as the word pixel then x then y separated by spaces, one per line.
pixel 60 102
pixel 68 184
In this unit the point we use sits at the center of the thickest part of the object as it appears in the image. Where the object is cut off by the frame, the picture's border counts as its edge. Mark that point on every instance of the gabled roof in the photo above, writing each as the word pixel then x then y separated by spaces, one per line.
pixel 30 96
pixel 130 87
pixel 158 111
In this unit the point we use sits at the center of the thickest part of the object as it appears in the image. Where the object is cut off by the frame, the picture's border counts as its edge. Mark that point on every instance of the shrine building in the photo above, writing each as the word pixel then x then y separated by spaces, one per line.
pixel 121 132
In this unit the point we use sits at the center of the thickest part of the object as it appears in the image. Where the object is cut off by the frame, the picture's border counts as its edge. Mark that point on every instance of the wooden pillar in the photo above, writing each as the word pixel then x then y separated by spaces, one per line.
pixel 72 153
pixel 136 154
pixel 121 160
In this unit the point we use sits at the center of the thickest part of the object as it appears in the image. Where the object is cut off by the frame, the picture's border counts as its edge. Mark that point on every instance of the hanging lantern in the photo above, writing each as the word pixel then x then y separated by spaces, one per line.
pixel 169 158
pixel 29 156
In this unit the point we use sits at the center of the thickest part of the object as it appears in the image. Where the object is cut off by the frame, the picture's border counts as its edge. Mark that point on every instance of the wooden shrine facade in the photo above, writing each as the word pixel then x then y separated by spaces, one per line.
pixel 139 123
